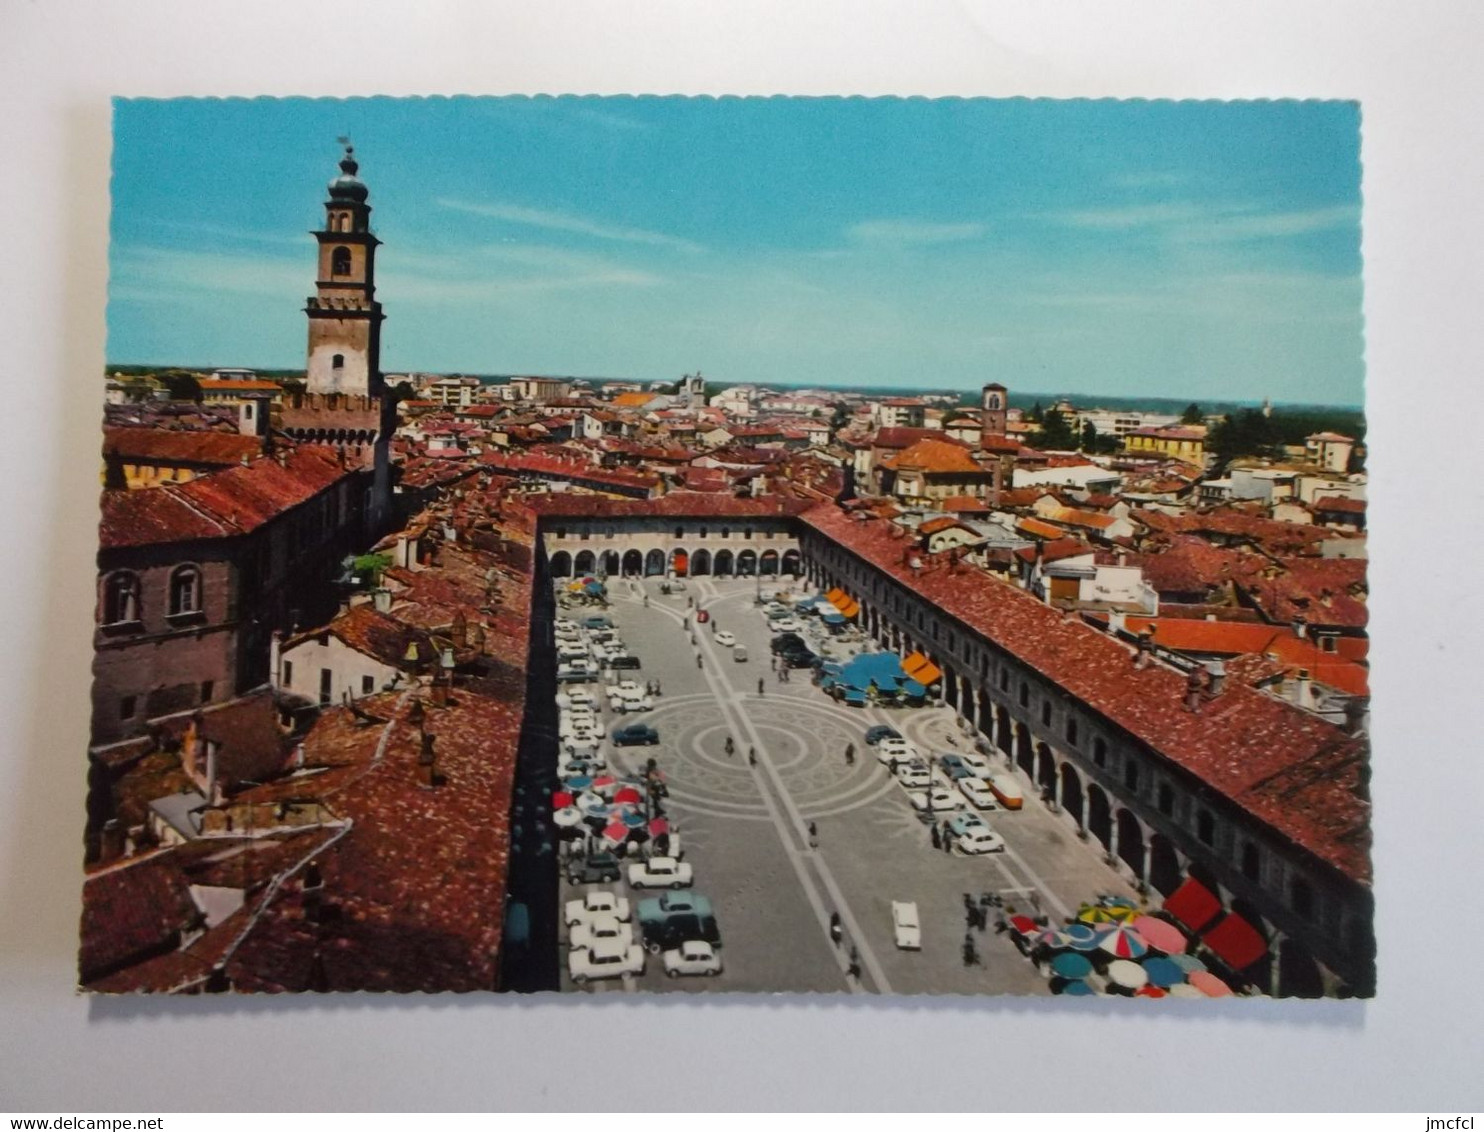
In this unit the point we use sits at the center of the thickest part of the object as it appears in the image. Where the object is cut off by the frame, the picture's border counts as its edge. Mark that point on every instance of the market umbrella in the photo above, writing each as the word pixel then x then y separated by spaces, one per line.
pixel 1187 963
pixel 1118 902
pixel 1053 938
pixel 1072 965
pixel 1023 924
pixel 561 798
pixel 1128 974
pixel 603 781
pixel 627 794
pixel 1208 984
pixel 1159 934
pixel 587 801
pixel 1163 973
pixel 1149 991
pixel 567 816
pixel 659 826
pixel 578 783
pixel 616 832
pixel 1081 936
pixel 1098 914
pixel 1123 943
pixel 634 821
pixel 1185 990
pixel 1077 988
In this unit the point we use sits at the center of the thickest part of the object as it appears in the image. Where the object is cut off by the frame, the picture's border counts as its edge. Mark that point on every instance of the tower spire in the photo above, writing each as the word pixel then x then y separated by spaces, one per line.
pixel 344 353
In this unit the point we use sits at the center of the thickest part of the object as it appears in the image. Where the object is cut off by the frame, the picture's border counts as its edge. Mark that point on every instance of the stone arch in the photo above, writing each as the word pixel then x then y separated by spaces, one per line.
pixel 791 563
pixel 950 689
pixel 1164 865
pixel 1071 792
pixel 633 563
pixel 1099 816
pixel 1131 842
pixel 561 564
pixel 986 715
pixel 680 562
pixel 700 562
pixel 1023 753
pixel 1004 737
pixel 610 562
pixel 654 562
pixel 1045 770
pixel 767 565
pixel 747 563
pixel 725 564
pixel 585 562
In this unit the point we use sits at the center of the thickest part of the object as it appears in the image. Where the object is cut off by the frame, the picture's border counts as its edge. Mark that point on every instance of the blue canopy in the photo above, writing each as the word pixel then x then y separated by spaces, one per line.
pixel 1077 987
pixel 833 618
pixel 854 696
pixel 1163 973
pixel 1072 965
pixel 912 688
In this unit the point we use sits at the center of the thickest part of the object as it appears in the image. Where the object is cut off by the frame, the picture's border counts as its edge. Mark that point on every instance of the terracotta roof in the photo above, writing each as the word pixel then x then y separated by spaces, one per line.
pixel 233 385
pixel 1341 504
pixel 220 505
pixel 938 456
pixel 942 523
pixel 633 400
pixel 964 504
pixel 906 437
pixel 677 504
pixel 130 913
pixel 1038 529
pixel 1239 744
pixel 193 446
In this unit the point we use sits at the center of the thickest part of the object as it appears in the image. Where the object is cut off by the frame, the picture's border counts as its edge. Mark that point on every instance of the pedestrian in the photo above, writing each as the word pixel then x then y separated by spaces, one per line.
pixel 730 746
pixel 971 954
pixel 658 691
pixel 937 837
pixel 837 931
pixel 698 660
pixel 646 601
pixel 760 685
pixel 853 971
pixel 752 756
pixel 813 836
pixel 850 754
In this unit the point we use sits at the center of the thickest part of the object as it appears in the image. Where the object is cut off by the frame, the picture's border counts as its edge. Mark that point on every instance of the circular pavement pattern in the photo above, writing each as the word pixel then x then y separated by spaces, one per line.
pixel 803 743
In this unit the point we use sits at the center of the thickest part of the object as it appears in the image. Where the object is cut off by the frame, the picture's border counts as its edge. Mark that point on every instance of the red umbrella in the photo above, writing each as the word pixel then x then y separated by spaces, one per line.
pixel 616 831
pixel 659 826
pixel 604 780
pixel 561 798
pixel 628 794
pixel 1023 924
pixel 1148 991
pixel 1208 984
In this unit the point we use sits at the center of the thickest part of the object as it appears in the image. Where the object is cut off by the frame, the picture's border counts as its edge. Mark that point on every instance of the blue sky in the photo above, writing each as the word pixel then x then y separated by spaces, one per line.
pixel 1200 249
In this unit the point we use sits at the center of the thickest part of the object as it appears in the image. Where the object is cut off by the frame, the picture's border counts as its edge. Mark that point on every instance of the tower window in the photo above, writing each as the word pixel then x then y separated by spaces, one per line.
pixel 340 261
pixel 185 591
pixel 121 598
pixel 337 361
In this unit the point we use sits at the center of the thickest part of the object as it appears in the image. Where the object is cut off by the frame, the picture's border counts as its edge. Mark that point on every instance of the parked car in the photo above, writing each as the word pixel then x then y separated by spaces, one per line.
pixel 739 653
pixel 693 957
pixel 670 920
pixel 979 841
pixel 576 698
pixel 624 660
pixel 597 868
pixel 635 734
pixel 726 639
pixel 788 642
pixel 606 959
pixel 802 658
pixel 597 621
pixel 600 928
pixel 915 775
pixel 665 845
pixel 936 799
pixel 660 872
pixel 788 625
pixel 579 673
pixel 954 766
pixel 905 926
pixel 978 793
pixel 632 701
pixel 624 688
pixel 874 735
pixel 965 823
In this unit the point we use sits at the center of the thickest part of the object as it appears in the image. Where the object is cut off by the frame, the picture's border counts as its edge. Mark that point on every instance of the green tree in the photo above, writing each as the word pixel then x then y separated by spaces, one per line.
pixel 1192 414
pixel 1248 433
pixel 1035 413
pixel 1055 432
pixel 182 386
pixel 1089 437
pixel 839 418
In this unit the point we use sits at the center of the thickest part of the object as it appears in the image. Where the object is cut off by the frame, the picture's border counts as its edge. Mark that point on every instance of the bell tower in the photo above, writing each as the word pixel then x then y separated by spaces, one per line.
pixel 993 403
pixel 344 316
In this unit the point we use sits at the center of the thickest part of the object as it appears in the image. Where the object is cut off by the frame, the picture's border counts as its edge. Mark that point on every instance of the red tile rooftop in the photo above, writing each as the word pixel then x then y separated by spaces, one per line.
pixel 1239 744
pixel 196 446
pixel 230 502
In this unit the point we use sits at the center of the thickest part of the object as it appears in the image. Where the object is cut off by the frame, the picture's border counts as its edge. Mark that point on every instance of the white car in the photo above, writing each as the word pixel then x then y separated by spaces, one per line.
pixel 586 748
pixel 576 698
pixel 624 688
pixel 898 749
pixel 599 902
pixel 694 957
pixel 602 928
pixel 726 639
pixel 660 872
pixel 978 793
pixel 914 776
pixel 787 625
pixel 905 925
pixel 935 800
pixel 606 959
pixel 566 625
pixel 631 701
pixel 979 841
pixel 975 762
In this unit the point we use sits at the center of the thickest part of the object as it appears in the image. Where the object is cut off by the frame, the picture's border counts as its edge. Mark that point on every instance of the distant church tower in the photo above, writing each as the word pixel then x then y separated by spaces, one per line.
pixel 344 316
pixel 993 404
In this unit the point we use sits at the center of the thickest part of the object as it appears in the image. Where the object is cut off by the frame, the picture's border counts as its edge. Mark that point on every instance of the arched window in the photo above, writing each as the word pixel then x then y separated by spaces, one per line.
pixel 1100 751
pixel 1251 862
pixel 340 261
pixel 1205 826
pixel 120 598
pixel 1072 730
pixel 337 361
pixel 185 591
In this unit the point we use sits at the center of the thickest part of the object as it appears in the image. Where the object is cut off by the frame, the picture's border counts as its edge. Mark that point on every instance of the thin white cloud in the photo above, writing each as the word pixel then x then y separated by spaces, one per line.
pixel 912 232
pixel 1213 222
pixel 565 222
pixel 1273 225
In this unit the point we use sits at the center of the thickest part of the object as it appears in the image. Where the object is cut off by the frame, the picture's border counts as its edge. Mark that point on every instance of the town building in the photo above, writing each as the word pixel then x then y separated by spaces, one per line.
pixel 1183 442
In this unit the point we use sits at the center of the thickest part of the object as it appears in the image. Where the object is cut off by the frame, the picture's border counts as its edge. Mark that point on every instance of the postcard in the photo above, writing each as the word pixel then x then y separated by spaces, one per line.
pixel 637 545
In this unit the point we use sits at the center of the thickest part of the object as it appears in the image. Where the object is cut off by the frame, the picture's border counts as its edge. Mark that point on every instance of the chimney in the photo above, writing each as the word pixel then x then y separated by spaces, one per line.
pixel 1117 622
pixel 1303 694
pixel 1193 682
pixel 1300 629
pixel 111 844
pixel 1146 648
pixel 382 599
pixel 1216 671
